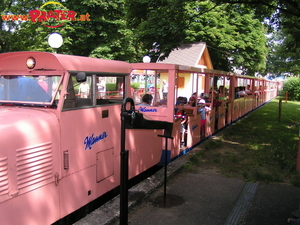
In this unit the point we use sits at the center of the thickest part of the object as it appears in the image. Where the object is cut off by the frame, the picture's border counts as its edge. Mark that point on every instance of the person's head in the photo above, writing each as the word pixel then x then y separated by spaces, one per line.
pixel 183 99
pixel 179 104
pixel 206 95
pixel 192 101
pixel 147 98
pixel 202 103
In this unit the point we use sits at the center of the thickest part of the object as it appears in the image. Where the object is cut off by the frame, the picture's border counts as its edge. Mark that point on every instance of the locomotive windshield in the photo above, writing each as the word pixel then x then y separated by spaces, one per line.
pixel 38 90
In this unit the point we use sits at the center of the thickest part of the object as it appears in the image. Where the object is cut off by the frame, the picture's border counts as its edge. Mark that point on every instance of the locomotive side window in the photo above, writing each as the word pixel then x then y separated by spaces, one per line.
pixel 108 89
pixel 97 90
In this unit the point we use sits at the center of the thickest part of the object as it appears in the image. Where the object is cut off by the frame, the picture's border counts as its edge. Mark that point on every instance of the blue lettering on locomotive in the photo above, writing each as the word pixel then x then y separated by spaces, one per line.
pixel 91 140
pixel 144 109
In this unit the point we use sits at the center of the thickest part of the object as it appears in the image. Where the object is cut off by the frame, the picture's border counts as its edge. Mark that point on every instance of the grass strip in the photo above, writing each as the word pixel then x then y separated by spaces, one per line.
pixel 259 147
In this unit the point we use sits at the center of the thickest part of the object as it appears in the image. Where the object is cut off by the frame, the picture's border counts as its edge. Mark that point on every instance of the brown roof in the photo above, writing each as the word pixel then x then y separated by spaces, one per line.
pixel 194 54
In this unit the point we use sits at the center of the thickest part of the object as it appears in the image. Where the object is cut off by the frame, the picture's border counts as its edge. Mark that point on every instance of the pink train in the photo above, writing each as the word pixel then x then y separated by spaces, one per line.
pixel 60 139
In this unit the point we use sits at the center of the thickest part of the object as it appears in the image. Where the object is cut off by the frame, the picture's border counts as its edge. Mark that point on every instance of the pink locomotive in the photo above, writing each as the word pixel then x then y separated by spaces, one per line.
pixel 60 146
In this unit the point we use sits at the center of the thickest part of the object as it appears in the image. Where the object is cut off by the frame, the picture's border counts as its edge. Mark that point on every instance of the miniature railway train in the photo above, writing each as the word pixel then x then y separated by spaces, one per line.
pixel 60 126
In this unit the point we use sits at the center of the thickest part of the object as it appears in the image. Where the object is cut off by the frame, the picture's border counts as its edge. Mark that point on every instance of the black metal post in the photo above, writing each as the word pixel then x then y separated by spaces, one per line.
pixel 124 168
pixel 166 166
pixel 124 188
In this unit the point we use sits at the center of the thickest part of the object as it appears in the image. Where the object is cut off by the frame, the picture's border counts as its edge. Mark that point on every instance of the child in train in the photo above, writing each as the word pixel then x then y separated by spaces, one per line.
pixel 192 101
pixel 202 110
pixel 181 114
pixel 206 97
pixel 182 99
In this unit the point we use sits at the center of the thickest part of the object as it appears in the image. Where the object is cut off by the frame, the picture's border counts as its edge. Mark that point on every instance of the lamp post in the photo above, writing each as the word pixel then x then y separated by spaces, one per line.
pixel 55 40
pixel 146 59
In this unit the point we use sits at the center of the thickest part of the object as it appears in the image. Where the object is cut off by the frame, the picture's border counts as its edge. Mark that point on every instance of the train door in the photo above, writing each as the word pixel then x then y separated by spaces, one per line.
pixel 90 143
pixel 152 97
pixel 222 101
pixel 163 110
pixel 211 99
pixel 248 95
pixel 189 89
pixel 255 93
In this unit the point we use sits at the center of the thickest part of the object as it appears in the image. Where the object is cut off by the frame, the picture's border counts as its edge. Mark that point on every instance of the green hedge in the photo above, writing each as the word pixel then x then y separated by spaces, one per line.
pixel 292 86
pixel 112 86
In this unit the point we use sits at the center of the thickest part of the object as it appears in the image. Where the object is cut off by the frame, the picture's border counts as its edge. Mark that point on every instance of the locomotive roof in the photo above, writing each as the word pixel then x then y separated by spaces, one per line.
pixel 50 61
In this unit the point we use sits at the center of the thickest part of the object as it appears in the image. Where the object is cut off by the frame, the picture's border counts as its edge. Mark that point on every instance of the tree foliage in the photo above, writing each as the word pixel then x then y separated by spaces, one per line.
pixel 158 25
pixel 284 18
pixel 104 35
pixel 292 86
pixel 235 39
pixel 281 61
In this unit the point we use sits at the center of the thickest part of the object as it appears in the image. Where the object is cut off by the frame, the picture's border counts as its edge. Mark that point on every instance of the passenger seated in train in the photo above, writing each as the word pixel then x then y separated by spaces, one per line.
pixel 242 92
pixel 256 92
pixel 236 91
pixel 206 97
pixel 192 101
pixel 181 114
pixel 194 95
pixel 248 90
pixel 222 96
pixel 146 100
pixel 182 99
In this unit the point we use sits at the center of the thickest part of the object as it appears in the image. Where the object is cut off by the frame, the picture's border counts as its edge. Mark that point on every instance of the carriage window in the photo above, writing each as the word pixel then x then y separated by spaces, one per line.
pixel 149 88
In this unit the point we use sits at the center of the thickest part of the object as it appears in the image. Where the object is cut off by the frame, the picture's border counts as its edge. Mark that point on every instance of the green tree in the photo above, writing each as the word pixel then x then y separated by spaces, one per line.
pixel 158 25
pixel 235 39
pixel 284 18
pixel 281 61
pixel 105 35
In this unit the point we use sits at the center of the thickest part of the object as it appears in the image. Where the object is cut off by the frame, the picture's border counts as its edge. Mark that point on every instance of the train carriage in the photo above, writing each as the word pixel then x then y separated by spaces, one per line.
pixel 220 90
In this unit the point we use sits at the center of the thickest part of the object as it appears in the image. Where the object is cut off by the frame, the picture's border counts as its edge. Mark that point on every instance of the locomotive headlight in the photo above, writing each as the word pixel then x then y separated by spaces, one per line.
pixel 30 63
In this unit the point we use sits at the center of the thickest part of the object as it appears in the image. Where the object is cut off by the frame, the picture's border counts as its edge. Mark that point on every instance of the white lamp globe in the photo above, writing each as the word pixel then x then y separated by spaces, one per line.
pixel 55 40
pixel 146 59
